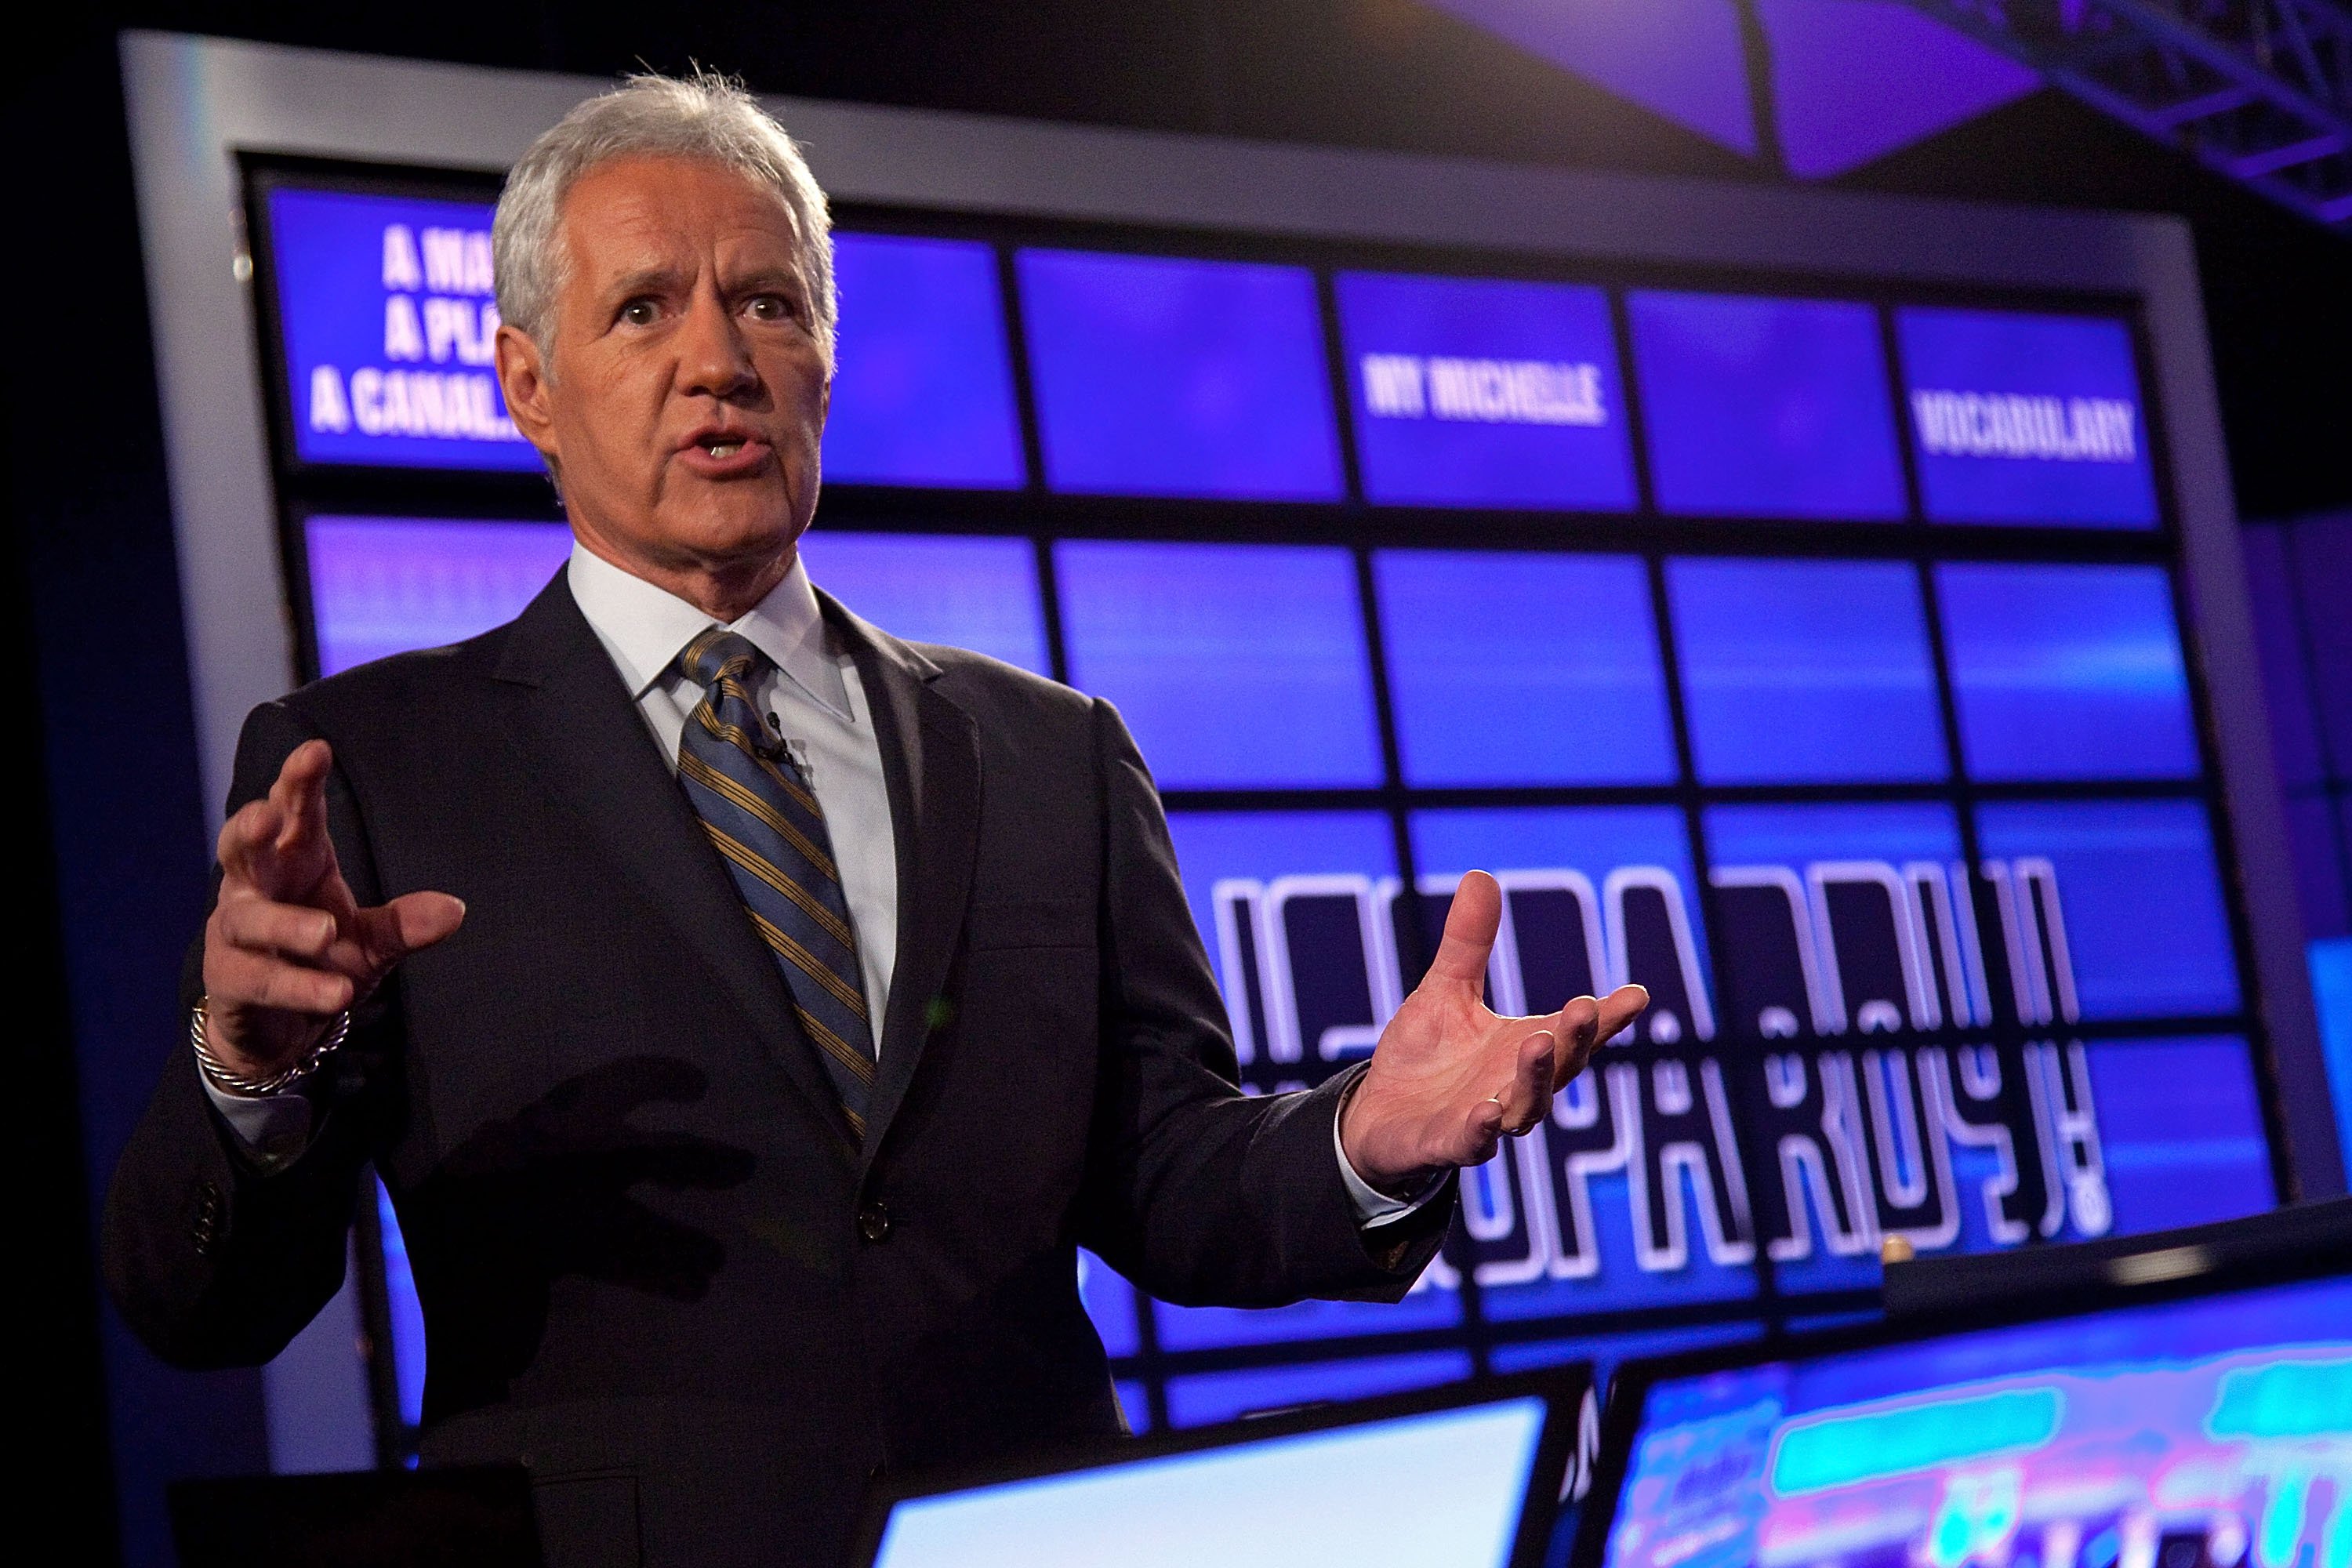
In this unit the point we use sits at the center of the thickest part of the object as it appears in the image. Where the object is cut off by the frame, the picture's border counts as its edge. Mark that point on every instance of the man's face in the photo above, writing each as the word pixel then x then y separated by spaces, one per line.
pixel 684 394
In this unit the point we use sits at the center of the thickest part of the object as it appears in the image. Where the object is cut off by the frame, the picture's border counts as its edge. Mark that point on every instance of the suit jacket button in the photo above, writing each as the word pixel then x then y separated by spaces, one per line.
pixel 874 1220
pixel 206 1229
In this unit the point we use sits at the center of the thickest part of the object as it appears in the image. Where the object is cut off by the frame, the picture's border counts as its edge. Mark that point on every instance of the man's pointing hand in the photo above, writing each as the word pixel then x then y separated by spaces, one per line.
pixel 287 947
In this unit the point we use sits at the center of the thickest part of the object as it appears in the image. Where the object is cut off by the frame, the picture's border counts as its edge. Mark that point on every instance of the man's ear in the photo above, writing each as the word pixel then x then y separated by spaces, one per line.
pixel 523 378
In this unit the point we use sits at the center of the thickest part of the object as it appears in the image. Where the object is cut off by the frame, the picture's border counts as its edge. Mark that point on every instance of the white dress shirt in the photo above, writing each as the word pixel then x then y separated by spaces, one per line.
pixel 814 701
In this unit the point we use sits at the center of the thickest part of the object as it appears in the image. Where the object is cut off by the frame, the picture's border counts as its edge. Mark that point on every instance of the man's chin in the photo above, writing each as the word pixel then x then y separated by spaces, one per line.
pixel 724 535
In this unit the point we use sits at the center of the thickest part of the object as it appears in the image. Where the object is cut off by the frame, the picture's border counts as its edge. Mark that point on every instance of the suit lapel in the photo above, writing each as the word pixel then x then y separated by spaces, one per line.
pixel 580 734
pixel 930 756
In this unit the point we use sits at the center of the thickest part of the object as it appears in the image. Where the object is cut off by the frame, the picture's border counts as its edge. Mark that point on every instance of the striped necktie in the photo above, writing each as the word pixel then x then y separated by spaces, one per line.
pixel 766 823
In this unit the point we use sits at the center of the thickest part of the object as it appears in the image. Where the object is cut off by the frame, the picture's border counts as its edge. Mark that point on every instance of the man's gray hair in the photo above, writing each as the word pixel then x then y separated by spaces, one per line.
pixel 703 115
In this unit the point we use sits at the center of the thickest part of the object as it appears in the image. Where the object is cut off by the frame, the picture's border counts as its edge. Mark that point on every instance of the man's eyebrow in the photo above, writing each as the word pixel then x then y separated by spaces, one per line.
pixel 769 277
pixel 643 280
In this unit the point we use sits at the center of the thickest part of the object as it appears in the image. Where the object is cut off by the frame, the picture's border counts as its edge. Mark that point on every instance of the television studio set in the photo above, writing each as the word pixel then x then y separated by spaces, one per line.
pixel 1404 784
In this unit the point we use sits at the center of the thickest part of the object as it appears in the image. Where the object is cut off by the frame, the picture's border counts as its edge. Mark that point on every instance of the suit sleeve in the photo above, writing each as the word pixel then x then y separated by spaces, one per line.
pixel 1203 1194
pixel 216 1258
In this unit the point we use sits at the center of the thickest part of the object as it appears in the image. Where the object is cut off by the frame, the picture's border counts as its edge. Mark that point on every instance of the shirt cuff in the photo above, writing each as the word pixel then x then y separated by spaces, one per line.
pixel 272 1129
pixel 1374 1207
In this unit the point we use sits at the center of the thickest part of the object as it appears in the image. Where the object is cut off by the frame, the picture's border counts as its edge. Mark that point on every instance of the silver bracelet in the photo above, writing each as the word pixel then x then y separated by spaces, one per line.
pixel 227 1079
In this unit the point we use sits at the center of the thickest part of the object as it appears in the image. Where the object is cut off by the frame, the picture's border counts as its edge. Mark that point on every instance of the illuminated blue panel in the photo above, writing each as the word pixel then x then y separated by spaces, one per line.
pixel 1485 393
pixel 1524 669
pixel 1765 407
pixel 384 586
pixel 1800 672
pixel 924 394
pixel 1595 894
pixel 1852 865
pixel 2026 418
pixel 385 317
pixel 2180 1125
pixel 1166 377
pixel 2067 671
pixel 965 591
pixel 1593 841
pixel 1110 1302
pixel 2142 899
pixel 1223 1395
pixel 1797 835
pixel 1260 850
pixel 1233 665
pixel 1211 847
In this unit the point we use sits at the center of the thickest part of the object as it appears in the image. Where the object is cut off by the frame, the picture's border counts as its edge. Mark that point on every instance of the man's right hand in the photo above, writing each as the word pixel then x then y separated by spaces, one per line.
pixel 287 947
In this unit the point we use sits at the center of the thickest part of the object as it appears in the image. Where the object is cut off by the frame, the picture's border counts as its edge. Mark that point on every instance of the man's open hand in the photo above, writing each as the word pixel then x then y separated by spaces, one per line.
pixel 1449 1078
pixel 287 947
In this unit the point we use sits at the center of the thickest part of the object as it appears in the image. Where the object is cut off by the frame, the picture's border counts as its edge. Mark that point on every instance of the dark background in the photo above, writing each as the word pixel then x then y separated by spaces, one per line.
pixel 105 850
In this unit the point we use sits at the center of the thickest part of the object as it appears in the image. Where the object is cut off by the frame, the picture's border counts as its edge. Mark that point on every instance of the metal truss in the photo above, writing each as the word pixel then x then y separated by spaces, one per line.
pixel 2260 90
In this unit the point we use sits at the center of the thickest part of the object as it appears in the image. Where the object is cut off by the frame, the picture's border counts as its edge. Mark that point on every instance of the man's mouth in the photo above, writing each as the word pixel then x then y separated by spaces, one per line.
pixel 721 453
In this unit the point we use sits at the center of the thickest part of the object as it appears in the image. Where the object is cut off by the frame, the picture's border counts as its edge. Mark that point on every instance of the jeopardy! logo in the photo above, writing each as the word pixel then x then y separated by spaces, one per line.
pixel 1840 1102
pixel 438 310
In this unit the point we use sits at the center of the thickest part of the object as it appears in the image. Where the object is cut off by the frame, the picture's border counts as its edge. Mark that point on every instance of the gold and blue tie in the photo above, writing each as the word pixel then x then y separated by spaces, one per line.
pixel 767 826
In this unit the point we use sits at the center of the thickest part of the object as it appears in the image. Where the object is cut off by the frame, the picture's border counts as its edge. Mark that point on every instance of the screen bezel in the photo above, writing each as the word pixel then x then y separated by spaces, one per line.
pixel 1630 1385
pixel 1565 1389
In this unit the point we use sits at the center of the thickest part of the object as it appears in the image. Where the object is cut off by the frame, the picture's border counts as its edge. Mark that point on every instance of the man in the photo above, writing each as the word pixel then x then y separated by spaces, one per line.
pixel 749 1012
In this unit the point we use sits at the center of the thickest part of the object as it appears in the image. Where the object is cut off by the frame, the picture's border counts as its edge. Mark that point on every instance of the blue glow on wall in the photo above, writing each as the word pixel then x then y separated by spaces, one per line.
pixel 382 585
pixel 967 590
pixel 1156 376
pixel 386 316
pixel 2028 419
pixel 1524 669
pixel 1234 664
pixel 924 393
pixel 1756 407
pixel 2063 672
pixel 1485 393
pixel 1806 670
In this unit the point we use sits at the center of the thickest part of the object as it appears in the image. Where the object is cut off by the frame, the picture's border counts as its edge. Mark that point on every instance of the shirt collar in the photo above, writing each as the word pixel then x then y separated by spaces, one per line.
pixel 644 627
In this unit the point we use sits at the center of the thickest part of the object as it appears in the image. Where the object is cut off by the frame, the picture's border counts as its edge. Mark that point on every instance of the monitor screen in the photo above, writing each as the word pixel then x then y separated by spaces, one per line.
pixel 1485 393
pixel 923 395
pixel 2212 1432
pixel 1757 407
pixel 2026 418
pixel 386 315
pixel 1443 1489
pixel 1162 376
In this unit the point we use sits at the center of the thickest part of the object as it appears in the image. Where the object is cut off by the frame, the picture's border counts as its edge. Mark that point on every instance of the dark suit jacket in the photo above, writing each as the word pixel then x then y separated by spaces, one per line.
pixel 651 1263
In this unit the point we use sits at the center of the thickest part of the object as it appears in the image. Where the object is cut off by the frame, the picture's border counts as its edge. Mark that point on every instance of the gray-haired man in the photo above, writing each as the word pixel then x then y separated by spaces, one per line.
pixel 749 1012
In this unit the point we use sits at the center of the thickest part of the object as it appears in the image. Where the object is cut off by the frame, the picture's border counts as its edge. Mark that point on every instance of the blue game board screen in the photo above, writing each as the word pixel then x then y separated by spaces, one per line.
pixel 1630 595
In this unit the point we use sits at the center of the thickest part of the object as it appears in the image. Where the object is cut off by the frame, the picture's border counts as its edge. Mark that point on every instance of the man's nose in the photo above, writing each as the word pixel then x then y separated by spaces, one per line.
pixel 714 360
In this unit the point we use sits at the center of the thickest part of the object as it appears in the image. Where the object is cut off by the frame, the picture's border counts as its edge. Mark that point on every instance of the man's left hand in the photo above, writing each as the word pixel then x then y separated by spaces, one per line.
pixel 1450 1079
